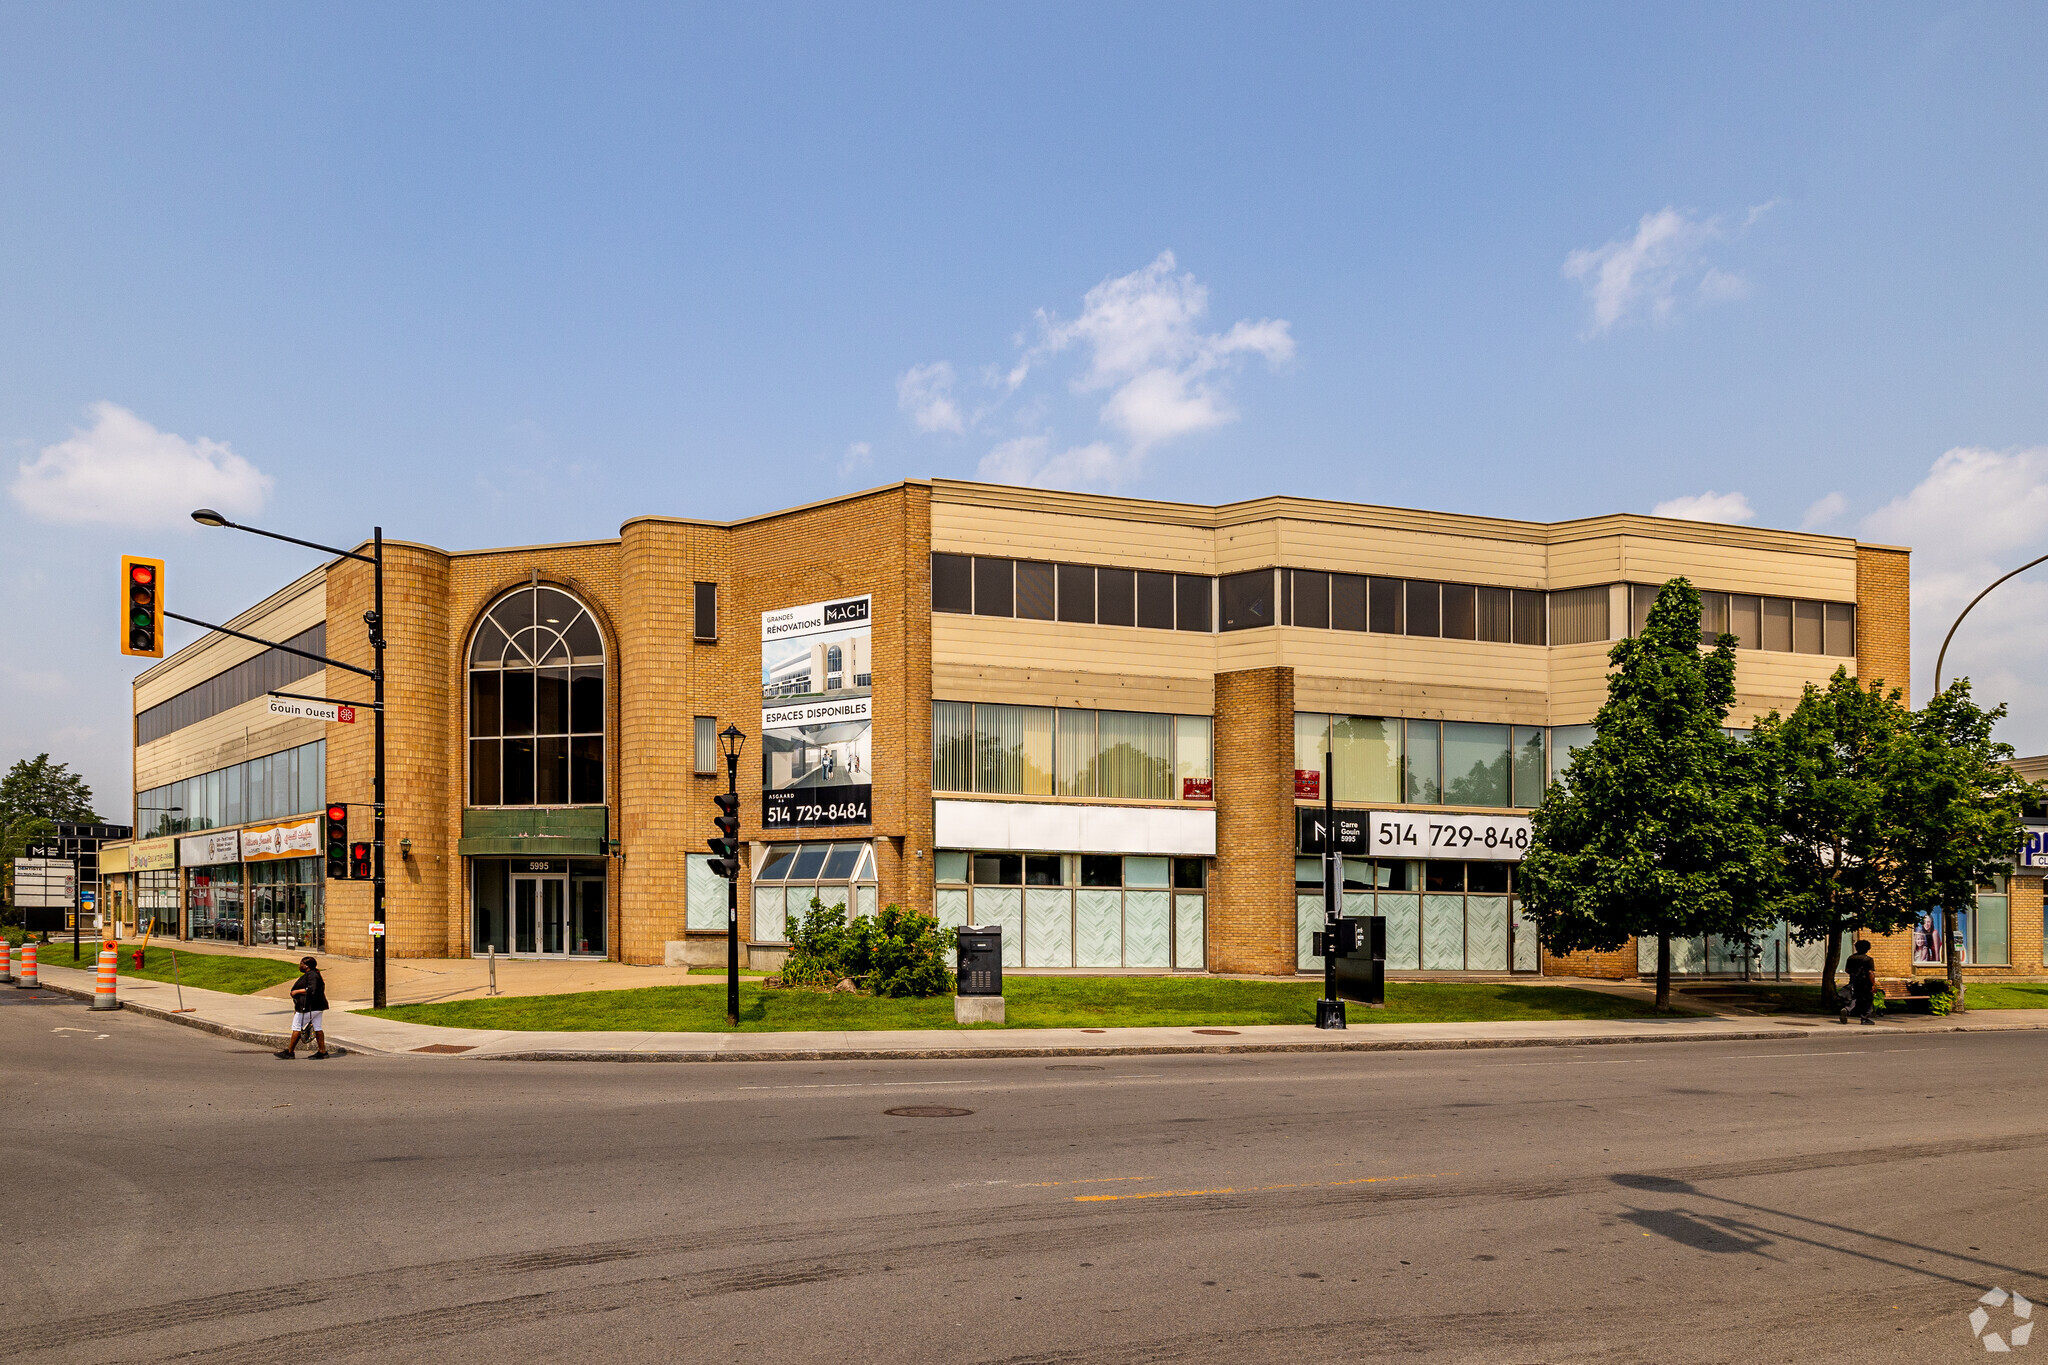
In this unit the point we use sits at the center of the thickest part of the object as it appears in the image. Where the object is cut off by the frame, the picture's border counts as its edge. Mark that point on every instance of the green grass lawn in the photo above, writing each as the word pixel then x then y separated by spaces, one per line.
pixel 2000 995
pixel 207 971
pixel 1030 1002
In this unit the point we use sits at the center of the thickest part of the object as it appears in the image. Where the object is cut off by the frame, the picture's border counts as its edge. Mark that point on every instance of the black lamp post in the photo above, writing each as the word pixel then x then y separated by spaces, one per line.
pixel 374 619
pixel 732 741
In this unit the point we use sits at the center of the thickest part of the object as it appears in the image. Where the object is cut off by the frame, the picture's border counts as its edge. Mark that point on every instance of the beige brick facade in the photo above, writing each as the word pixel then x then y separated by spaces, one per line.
pixel 659 676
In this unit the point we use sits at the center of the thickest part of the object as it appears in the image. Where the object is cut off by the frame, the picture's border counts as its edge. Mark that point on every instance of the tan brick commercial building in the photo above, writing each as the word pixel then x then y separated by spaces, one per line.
pixel 1091 720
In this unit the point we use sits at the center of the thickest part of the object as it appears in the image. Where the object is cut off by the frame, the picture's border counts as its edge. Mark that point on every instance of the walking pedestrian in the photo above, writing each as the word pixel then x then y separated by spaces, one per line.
pixel 309 1006
pixel 1862 980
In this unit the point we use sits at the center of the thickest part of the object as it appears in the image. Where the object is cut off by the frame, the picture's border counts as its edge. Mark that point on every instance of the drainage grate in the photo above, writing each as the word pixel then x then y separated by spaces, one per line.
pixel 1218 1032
pixel 447 1047
pixel 927 1111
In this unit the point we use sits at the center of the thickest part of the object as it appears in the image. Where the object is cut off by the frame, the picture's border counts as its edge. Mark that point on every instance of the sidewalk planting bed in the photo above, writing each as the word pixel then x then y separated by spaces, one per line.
pixel 206 971
pixel 1029 1002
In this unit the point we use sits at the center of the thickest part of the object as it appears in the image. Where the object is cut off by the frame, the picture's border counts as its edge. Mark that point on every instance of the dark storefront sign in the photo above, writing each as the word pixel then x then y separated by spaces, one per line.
pixel 1310 834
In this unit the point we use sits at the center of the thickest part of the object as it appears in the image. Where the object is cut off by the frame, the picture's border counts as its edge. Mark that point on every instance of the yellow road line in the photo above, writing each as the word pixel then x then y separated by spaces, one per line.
pixel 1257 1189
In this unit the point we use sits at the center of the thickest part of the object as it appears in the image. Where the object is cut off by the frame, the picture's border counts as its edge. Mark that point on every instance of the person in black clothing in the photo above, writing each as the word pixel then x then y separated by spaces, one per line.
pixel 309 1003
pixel 1863 980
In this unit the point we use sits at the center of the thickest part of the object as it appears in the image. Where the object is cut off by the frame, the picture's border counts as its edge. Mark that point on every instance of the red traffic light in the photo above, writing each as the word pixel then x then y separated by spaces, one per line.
pixel 141 573
pixel 337 813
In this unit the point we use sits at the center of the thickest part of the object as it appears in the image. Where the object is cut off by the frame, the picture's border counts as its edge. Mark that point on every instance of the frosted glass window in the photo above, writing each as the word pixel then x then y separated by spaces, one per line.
pixel 1367 752
pixel 1194 752
pixel 952 865
pixel 952 746
pixel 1311 743
pixel 1475 760
pixel 1013 749
pixel 1423 787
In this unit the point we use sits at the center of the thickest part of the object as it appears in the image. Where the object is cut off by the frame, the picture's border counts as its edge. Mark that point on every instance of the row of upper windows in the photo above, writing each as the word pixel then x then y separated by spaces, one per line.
pixel 1034 590
pixel 229 688
pixel 269 788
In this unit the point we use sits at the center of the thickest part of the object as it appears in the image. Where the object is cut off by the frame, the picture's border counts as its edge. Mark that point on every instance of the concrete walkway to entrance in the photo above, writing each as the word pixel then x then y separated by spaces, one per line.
pixel 266 1019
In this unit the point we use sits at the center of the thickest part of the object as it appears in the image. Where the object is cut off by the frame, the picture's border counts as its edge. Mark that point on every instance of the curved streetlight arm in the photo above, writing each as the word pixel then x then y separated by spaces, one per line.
pixel 1943 655
pixel 207 517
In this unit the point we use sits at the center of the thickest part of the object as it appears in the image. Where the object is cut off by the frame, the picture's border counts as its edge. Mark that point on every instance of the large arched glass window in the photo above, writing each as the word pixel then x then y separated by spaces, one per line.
pixel 536 703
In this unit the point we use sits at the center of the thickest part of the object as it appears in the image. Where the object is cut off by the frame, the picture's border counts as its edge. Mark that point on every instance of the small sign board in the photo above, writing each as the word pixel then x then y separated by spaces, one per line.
pixel 334 712
pixel 376 928
pixel 1311 833
pixel 43 851
pixel 45 883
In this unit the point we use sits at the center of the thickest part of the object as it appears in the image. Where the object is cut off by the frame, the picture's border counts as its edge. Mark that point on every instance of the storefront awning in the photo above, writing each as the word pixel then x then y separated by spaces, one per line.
pixel 576 833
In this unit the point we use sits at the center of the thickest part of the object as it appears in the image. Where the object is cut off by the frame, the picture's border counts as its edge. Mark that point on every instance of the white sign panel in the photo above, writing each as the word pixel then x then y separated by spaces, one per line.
pixel 331 711
pixel 2033 846
pixel 45 883
pixel 203 850
pixel 1436 834
pixel 817 714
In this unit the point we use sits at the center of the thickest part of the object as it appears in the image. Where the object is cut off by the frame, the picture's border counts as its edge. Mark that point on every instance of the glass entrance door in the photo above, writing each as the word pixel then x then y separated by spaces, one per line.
pixel 540 916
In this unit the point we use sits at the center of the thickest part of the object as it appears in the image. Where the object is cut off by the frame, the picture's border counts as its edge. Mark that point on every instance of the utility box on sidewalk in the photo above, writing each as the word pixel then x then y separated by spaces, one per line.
pixel 979 997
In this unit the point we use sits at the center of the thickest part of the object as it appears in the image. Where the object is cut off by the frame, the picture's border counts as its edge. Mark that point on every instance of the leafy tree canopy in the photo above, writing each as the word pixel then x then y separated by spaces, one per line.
pixel 51 790
pixel 1653 828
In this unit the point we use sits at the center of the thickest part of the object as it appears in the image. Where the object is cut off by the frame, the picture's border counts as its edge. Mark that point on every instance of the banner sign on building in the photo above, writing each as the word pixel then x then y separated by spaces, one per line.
pixel 1434 834
pixel 331 711
pixel 2033 846
pixel 204 850
pixel 817 714
pixel 298 839
pixel 153 855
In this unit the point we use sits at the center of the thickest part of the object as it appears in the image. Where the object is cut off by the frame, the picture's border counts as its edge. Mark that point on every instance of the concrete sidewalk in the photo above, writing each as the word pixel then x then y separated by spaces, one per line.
pixel 266 1020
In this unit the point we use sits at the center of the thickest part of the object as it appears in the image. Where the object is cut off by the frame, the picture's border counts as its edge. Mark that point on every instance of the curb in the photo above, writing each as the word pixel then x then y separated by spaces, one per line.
pixel 1119 1049
pixel 240 1035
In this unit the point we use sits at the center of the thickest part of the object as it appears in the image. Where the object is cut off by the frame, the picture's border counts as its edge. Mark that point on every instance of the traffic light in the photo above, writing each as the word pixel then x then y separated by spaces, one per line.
pixel 359 861
pixel 725 849
pixel 142 607
pixel 337 843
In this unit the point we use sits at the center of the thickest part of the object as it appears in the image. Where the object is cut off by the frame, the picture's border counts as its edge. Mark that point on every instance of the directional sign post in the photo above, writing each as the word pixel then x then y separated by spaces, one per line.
pixel 44 888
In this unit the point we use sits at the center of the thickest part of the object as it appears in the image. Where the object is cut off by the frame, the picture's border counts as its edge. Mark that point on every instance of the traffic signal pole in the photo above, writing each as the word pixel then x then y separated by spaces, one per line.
pixel 1329 1009
pixel 732 907
pixel 376 624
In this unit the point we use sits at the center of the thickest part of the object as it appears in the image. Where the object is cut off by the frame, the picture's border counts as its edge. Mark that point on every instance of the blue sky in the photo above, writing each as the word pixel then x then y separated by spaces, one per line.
pixel 492 276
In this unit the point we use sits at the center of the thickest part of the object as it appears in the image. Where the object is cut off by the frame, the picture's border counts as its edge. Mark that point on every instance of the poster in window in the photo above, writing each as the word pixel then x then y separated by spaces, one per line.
pixel 1927 946
pixel 817 714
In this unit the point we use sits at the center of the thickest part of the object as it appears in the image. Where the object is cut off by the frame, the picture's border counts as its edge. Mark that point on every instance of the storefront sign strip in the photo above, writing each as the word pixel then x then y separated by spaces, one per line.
pixel 299 839
pixel 153 855
pixel 1434 834
pixel 204 850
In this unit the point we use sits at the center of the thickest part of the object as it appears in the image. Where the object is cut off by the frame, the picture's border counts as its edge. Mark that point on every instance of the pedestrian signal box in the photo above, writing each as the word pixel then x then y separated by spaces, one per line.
pixel 142 607
pixel 359 861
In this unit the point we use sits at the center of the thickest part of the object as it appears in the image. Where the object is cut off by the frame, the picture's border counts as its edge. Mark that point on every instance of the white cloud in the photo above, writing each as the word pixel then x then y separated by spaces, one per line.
pixel 1141 340
pixel 926 393
pixel 1657 269
pixel 1708 506
pixel 1824 510
pixel 1030 460
pixel 122 471
pixel 1976 515
pixel 859 456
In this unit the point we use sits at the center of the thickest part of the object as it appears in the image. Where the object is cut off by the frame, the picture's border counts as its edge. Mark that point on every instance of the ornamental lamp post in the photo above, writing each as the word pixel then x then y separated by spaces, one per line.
pixel 732 740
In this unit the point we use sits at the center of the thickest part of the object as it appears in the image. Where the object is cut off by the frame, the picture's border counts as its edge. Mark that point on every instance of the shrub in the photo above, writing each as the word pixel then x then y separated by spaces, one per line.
pixel 899 953
pixel 818 947
pixel 1941 1000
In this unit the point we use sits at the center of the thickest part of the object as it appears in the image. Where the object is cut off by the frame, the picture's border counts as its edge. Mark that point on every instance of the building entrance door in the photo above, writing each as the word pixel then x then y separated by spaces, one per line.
pixel 540 915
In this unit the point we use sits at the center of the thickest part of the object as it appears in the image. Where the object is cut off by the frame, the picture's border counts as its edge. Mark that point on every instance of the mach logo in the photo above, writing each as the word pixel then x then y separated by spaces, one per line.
pixel 2016 1331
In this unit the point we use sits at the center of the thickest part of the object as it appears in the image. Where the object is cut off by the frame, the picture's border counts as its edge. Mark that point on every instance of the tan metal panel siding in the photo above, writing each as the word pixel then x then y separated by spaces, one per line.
pixel 1007 643
pixel 1056 687
pixel 959 528
pixel 1410 554
pixel 1733 568
pixel 210 656
pixel 235 735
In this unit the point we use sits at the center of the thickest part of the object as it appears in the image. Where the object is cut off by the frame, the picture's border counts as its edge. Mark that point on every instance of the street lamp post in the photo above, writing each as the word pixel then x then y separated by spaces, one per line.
pixel 1953 929
pixel 374 619
pixel 732 740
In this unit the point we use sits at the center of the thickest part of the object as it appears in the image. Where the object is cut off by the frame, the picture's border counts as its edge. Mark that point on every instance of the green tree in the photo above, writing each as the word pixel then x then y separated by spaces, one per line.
pixel 51 790
pixel 1838 778
pixel 1653 828
pixel 1967 803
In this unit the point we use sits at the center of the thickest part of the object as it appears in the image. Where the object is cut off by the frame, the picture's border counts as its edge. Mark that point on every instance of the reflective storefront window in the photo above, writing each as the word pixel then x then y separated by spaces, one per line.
pixel 287 902
pixel 213 902
pixel 538 907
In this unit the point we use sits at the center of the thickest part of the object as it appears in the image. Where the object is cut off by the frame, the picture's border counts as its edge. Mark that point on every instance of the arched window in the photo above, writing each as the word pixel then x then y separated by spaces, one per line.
pixel 536 702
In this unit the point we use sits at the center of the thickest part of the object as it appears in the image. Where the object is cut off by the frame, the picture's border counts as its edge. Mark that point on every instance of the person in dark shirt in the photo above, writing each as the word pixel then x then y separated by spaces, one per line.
pixel 309 1004
pixel 1862 980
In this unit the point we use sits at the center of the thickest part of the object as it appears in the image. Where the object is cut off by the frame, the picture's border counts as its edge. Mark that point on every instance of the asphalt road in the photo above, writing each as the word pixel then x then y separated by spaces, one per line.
pixel 173 1196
